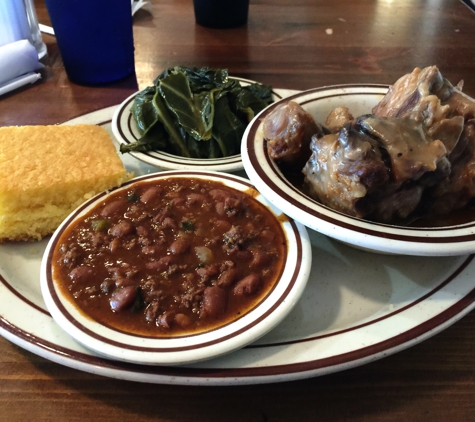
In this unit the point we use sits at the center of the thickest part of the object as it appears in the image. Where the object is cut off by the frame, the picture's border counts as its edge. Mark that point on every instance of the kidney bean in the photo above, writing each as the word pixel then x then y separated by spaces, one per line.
pixel 166 319
pixel 222 225
pixel 243 255
pixel 122 228
pixel 178 202
pixel 214 301
pixel 179 246
pixel 219 194
pixel 151 312
pixel 124 282
pixel 267 235
pixel 207 272
pixel 219 207
pixel 113 208
pixel 150 194
pixel 99 238
pixel 259 258
pixel 165 212
pixel 182 320
pixel 196 198
pixel 81 273
pixel 248 285
pixel 142 231
pixel 169 223
pixel 228 277
pixel 149 250
pixel 115 244
pixel 122 298
pixel 160 265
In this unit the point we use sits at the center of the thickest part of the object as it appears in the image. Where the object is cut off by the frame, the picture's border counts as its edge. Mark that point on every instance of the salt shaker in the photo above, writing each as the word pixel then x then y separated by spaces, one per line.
pixel 18 21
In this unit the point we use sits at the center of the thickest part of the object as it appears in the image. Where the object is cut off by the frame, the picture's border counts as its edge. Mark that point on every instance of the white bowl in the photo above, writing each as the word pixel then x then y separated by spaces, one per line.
pixel 269 180
pixel 129 347
pixel 125 131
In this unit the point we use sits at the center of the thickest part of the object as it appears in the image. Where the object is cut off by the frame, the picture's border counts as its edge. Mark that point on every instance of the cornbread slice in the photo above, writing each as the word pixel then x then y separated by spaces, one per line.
pixel 48 171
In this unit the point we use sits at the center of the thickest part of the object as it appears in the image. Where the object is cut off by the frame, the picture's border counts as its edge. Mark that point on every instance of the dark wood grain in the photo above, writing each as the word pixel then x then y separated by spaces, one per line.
pixel 294 44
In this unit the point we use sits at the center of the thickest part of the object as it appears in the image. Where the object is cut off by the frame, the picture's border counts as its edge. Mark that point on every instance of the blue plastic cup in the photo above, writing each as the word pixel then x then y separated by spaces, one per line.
pixel 221 13
pixel 95 39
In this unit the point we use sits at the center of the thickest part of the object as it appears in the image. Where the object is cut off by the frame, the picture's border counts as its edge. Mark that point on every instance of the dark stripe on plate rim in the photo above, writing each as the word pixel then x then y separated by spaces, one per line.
pixel 376 320
pixel 22 297
pixel 312 367
pixel 333 215
pixel 90 333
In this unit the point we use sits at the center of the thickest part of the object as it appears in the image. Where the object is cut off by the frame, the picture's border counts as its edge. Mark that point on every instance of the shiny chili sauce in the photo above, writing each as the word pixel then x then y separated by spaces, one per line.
pixel 170 257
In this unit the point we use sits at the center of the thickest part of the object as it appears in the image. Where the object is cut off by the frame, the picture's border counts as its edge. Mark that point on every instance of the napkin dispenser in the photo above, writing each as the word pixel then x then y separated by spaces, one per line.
pixel 21 44
pixel 18 21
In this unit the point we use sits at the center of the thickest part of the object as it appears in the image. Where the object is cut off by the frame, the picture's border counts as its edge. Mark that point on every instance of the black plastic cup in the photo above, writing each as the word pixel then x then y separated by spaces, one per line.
pixel 221 13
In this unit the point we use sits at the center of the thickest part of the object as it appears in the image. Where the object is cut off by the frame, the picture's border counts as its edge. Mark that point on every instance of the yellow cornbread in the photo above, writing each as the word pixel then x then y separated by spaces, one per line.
pixel 48 171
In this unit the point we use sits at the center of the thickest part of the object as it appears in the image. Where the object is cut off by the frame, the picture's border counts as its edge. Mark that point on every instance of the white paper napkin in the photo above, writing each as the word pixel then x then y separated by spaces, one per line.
pixel 138 4
pixel 18 61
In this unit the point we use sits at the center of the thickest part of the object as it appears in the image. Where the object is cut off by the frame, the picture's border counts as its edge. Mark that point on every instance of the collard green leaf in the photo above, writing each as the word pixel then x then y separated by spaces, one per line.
pixel 253 98
pixel 227 128
pixel 143 109
pixel 155 139
pixel 176 141
pixel 193 112
pixel 196 112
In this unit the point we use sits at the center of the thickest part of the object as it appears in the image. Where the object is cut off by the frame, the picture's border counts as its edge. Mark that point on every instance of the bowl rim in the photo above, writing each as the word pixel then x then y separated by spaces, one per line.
pixel 377 237
pixel 135 348
pixel 123 127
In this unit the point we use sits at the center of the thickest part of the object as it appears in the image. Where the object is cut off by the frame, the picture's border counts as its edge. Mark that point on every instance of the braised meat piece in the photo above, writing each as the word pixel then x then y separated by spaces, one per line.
pixel 288 131
pixel 375 168
pixel 337 119
pixel 426 96
pixel 448 115
pixel 458 190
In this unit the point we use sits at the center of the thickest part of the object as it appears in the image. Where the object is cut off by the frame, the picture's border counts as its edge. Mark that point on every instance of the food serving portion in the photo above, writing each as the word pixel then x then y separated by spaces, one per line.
pixel 48 171
pixel 387 180
pixel 194 264
pixel 190 118
pixel 170 257
pixel 411 158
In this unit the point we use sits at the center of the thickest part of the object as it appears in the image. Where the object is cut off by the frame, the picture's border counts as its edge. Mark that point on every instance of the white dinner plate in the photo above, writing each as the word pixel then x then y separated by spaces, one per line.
pixel 126 131
pixel 272 183
pixel 357 307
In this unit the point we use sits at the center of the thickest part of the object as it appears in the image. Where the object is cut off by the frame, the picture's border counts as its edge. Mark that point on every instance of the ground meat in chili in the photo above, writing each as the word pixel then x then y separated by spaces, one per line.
pixel 170 257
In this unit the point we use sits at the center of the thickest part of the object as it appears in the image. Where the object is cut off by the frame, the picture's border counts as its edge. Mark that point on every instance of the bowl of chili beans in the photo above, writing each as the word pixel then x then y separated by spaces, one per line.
pixel 174 267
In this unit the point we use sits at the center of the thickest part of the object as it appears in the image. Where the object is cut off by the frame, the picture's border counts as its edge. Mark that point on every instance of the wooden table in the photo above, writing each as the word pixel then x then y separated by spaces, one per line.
pixel 297 44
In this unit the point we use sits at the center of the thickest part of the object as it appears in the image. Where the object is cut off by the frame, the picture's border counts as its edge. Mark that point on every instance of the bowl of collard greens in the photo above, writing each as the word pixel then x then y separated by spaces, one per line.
pixel 190 118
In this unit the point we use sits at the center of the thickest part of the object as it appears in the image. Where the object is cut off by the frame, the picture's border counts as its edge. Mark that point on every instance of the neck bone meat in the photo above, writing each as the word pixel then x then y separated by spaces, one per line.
pixel 414 156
